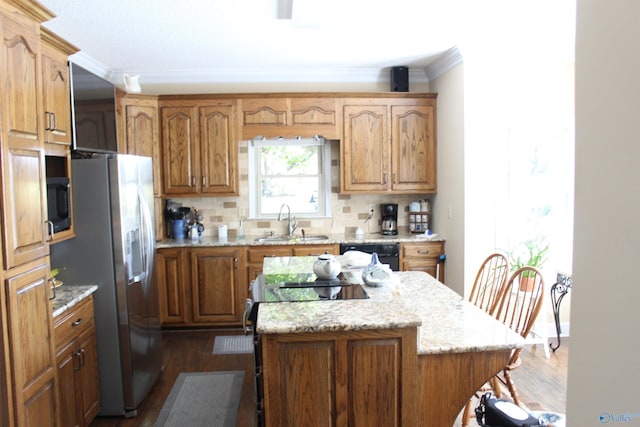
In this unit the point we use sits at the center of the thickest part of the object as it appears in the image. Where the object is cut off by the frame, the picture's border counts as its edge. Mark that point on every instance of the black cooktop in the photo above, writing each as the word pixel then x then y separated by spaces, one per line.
pixel 306 290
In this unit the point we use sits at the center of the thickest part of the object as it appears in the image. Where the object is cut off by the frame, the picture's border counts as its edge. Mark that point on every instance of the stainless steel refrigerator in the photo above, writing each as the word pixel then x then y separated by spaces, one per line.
pixel 114 249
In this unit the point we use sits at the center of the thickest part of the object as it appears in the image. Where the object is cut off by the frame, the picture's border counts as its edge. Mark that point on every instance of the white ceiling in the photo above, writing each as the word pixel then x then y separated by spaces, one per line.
pixel 173 42
pixel 175 45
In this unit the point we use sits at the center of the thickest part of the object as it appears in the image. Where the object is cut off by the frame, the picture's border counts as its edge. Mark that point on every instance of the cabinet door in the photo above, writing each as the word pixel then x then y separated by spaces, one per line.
pixel 173 283
pixel 218 150
pixel 56 97
pixel 217 294
pixel 180 150
pixel 31 346
pixel 68 363
pixel 413 148
pixel 364 151
pixel 142 138
pixel 24 195
pixel 88 392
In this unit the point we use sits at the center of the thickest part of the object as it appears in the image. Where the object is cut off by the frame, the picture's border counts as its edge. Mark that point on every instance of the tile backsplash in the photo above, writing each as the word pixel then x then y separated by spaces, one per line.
pixel 349 211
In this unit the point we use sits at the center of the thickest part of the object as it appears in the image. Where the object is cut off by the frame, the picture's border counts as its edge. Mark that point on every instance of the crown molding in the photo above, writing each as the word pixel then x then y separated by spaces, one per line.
pixel 448 60
pixel 261 75
pixel 92 65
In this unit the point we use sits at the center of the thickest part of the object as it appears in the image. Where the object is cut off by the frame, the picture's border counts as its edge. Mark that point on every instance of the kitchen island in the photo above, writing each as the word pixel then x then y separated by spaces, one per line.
pixel 411 354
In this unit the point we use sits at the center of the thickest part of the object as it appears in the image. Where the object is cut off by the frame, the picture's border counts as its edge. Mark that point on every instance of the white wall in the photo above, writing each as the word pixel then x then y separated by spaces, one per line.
pixel 604 366
pixel 451 173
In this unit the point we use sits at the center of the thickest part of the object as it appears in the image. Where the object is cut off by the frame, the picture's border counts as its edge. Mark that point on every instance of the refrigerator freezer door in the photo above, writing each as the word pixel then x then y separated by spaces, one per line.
pixel 114 249
pixel 134 254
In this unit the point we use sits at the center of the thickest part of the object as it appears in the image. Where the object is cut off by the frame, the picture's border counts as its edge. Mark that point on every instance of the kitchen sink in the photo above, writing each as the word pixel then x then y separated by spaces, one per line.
pixel 276 239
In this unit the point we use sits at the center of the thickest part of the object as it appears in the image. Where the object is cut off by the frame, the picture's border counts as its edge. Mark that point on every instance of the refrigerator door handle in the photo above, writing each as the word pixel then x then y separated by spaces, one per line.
pixel 147 237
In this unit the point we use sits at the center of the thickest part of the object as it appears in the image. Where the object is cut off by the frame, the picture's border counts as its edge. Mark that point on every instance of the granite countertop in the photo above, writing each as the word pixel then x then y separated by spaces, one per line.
pixel 69 295
pixel 446 322
pixel 335 238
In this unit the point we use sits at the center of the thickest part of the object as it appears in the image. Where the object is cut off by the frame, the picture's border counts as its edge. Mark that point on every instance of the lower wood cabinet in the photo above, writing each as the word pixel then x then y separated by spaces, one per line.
pixel 352 378
pixel 257 254
pixel 423 256
pixel 29 349
pixel 217 293
pixel 201 286
pixel 77 365
pixel 174 292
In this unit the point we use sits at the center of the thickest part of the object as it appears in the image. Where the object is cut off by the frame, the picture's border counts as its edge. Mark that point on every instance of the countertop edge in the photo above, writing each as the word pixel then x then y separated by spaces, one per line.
pixel 69 296
pixel 332 240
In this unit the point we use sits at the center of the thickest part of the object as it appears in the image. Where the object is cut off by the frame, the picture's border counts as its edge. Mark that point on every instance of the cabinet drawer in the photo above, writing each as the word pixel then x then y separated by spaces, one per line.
pixel 74 321
pixel 256 255
pixel 315 250
pixel 422 250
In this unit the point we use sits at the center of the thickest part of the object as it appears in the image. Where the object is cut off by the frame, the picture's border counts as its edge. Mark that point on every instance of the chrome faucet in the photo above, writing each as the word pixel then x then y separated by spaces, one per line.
pixel 291 222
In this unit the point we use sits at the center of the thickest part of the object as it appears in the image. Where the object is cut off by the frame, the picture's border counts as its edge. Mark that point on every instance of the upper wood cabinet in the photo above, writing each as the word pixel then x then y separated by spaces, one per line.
pixel 56 98
pixel 140 133
pixel 23 170
pixel 200 148
pixel 388 145
pixel 56 88
pixel 289 116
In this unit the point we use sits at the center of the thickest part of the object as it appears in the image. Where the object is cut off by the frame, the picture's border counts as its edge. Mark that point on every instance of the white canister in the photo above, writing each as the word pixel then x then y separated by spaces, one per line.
pixel 222 231
pixel 414 207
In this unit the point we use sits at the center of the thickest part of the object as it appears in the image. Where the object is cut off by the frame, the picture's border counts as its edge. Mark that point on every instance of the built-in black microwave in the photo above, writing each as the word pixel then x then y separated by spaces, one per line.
pixel 58 203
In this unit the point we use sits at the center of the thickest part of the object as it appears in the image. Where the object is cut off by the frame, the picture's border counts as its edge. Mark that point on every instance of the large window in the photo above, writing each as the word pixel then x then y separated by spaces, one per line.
pixel 295 172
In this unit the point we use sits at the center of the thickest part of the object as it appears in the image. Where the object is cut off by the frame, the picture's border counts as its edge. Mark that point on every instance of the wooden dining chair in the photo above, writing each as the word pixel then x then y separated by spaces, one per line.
pixel 490 279
pixel 518 307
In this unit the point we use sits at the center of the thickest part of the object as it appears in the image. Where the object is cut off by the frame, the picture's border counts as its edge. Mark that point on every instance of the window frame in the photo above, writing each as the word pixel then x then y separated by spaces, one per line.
pixel 324 175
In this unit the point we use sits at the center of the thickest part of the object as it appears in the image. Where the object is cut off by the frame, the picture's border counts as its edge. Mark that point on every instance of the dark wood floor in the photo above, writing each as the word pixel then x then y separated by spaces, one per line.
pixel 189 351
pixel 541 381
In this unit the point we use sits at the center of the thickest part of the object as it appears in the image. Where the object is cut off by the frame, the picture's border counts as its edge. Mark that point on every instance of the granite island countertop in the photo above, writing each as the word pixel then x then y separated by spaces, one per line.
pixel 335 238
pixel 446 322
pixel 69 295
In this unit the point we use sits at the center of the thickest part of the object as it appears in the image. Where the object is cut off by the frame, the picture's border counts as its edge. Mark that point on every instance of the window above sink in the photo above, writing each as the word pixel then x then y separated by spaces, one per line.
pixel 291 171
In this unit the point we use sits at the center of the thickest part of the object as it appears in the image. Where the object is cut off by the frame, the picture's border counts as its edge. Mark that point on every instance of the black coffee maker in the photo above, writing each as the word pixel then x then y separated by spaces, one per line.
pixel 389 218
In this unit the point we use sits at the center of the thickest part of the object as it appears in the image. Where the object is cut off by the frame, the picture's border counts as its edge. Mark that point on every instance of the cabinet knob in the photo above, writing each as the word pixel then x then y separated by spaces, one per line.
pixel 423 252
pixel 77 322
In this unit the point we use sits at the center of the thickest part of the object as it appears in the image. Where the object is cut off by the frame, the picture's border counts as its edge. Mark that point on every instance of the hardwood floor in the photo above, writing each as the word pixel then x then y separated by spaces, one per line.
pixel 541 382
pixel 190 351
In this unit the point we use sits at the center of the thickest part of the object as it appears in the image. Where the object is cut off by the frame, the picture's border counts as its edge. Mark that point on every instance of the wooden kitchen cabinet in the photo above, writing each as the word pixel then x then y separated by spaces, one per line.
pixel 423 256
pixel 56 88
pixel 172 275
pixel 139 134
pixel 142 132
pixel 201 286
pixel 354 378
pixel 289 115
pixel 199 148
pixel 77 365
pixel 23 171
pixel 257 254
pixel 217 289
pixel 388 145
pixel 56 96
pixel 29 348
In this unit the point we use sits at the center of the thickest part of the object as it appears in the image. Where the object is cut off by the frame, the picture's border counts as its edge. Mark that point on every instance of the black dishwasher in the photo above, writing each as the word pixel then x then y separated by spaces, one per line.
pixel 388 253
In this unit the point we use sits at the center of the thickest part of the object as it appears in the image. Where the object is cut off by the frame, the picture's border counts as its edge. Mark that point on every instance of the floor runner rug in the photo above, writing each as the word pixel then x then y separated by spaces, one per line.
pixel 233 344
pixel 203 399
